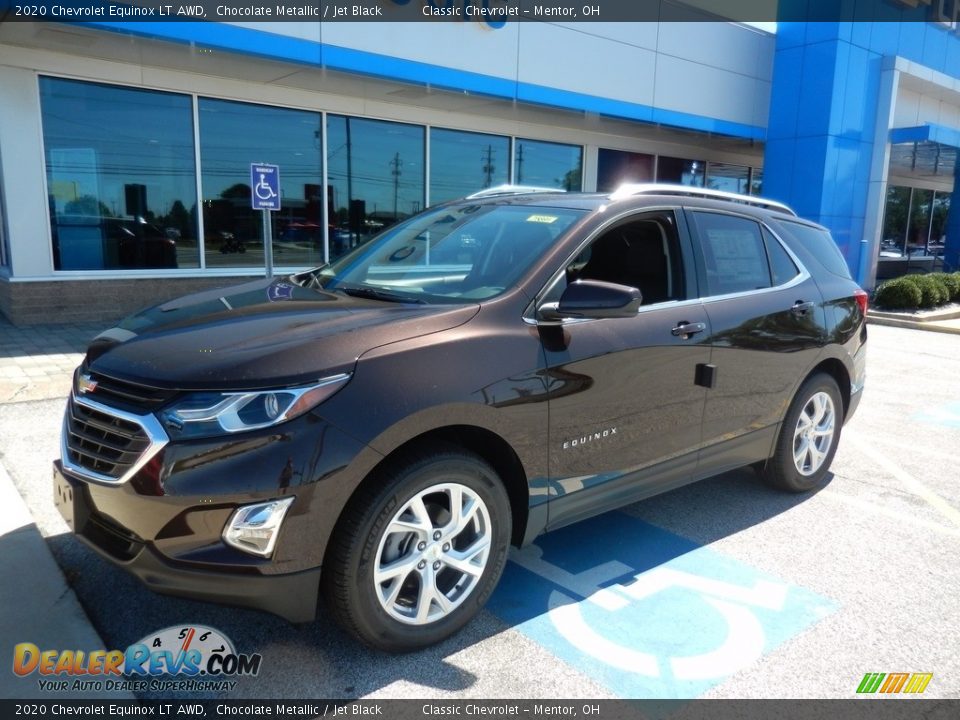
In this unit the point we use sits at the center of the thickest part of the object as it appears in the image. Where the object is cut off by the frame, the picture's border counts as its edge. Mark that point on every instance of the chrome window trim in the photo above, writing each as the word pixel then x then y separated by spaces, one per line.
pixel 148 423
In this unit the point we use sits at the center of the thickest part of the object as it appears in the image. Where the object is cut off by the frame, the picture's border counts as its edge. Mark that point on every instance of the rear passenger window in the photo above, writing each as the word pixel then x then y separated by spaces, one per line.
pixel 782 268
pixel 734 253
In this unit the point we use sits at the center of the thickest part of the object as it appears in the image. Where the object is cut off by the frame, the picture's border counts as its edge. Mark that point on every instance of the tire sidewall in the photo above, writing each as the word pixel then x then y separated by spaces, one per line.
pixel 372 621
pixel 785 473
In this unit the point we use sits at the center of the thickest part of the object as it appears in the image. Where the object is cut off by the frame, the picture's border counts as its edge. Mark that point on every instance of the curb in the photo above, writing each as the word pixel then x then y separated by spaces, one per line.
pixel 38 605
pixel 929 326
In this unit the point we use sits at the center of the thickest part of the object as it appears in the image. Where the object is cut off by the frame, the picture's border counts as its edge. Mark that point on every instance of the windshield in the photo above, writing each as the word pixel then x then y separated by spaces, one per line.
pixel 451 254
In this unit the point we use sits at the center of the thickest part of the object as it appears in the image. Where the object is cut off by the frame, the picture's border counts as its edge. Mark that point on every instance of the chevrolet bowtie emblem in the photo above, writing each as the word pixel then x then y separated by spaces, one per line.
pixel 86 384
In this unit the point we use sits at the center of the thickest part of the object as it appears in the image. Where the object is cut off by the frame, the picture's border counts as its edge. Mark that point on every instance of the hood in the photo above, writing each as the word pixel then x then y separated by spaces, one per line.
pixel 266 333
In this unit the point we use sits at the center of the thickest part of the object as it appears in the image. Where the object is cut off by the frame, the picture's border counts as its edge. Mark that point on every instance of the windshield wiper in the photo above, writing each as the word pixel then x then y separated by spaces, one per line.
pixel 377 294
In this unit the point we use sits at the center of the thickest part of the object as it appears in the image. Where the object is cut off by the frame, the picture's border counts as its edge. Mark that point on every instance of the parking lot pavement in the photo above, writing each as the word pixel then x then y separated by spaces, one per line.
pixel 721 589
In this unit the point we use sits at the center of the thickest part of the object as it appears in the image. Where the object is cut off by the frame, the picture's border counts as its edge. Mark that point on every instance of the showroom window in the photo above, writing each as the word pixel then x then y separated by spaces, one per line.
pixel 121 176
pixel 680 171
pixel 756 181
pixel 616 167
pixel 914 222
pixel 232 136
pixel 376 174
pixel 548 164
pixel 462 163
pixel 729 178
pixel 4 252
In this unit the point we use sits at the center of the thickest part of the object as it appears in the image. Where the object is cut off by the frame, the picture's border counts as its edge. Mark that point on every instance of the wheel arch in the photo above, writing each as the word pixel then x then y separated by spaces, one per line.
pixel 482 442
pixel 835 368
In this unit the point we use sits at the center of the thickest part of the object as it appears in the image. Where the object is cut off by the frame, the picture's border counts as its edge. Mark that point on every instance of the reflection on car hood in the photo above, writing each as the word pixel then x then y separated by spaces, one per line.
pixel 266 333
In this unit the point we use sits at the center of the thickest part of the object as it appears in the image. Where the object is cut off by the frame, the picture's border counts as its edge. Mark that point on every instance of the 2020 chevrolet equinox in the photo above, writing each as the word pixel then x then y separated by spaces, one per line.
pixel 480 373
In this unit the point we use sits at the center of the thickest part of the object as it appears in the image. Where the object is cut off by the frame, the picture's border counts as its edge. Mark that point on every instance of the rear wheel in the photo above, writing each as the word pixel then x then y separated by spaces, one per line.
pixel 808 438
pixel 418 551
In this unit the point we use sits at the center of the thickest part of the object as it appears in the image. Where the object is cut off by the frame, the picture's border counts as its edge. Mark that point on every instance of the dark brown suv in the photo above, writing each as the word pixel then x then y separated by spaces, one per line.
pixel 488 370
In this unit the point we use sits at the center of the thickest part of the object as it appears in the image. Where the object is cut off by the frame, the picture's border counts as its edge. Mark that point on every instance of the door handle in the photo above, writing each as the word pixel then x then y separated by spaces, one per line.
pixel 686 329
pixel 801 308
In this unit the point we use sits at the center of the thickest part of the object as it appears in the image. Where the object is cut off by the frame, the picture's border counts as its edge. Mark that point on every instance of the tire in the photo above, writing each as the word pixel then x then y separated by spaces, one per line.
pixel 400 526
pixel 808 437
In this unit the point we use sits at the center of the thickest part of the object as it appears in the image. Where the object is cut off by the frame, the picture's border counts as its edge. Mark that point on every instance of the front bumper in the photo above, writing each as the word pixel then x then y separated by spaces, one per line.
pixel 292 596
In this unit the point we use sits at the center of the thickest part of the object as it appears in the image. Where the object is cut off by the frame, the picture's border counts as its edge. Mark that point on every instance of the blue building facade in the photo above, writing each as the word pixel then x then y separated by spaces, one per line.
pixel 109 129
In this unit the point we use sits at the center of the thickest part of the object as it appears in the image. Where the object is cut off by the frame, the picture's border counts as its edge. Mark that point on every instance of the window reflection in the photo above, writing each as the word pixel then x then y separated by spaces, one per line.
pixel 120 176
pixel 462 163
pixel 233 135
pixel 616 167
pixel 376 177
pixel 680 171
pixel 547 164
pixel 729 178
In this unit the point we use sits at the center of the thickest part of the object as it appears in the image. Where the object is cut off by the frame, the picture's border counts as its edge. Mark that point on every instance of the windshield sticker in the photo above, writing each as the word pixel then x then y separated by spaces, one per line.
pixel 545 219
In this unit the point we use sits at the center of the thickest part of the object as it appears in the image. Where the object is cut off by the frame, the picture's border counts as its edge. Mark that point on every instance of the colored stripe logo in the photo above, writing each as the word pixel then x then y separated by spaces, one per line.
pixel 889 683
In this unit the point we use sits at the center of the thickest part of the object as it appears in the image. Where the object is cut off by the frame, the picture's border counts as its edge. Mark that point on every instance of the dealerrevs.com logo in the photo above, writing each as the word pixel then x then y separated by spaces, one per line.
pixel 191 657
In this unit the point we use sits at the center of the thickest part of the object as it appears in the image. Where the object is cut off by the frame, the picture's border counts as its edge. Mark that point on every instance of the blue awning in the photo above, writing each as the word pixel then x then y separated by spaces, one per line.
pixel 929 132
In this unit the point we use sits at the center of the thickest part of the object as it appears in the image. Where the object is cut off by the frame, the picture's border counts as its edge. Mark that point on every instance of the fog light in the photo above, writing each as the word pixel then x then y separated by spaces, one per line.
pixel 254 528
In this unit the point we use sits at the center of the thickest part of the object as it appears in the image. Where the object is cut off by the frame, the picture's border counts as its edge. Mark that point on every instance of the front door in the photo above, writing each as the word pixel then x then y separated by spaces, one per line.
pixel 625 409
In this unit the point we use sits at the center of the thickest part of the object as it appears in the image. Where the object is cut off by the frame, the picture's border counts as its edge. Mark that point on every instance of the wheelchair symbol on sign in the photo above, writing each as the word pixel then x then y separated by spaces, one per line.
pixel 263 189
pixel 743 642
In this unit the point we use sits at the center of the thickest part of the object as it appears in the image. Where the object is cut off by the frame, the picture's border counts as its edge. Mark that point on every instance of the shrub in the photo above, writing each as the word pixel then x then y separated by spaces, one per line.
pixel 933 291
pixel 898 294
pixel 952 281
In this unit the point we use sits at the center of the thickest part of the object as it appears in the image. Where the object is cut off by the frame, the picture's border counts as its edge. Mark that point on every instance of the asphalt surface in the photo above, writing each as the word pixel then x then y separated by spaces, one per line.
pixel 804 594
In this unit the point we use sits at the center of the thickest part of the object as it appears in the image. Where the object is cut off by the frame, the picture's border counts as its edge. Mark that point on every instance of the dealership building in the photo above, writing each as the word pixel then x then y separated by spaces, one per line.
pixel 126 148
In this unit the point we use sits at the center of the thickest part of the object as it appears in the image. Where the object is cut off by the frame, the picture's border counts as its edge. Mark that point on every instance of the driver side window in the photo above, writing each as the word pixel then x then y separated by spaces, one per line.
pixel 642 252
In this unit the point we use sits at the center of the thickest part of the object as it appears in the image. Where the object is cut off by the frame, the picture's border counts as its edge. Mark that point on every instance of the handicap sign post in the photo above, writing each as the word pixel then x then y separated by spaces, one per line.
pixel 265 196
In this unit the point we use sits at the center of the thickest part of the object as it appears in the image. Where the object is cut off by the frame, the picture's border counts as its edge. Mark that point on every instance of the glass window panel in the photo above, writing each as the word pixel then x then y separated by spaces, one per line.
pixel 782 267
pixel 233 135
pixel 462 163
pixel 938 227
pixel 733 253
pixel 680 171
pixel 919 221
pixel 547 164
pixel 4 252
pixel 895 217
pixel 756 182
pixel 120 176
pixel 376 176
pixel 616 167
pixel 729 178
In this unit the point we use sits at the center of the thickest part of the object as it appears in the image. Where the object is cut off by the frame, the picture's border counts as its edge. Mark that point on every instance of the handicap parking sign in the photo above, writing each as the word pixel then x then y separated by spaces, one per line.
pixel 264 186
pixel 644 612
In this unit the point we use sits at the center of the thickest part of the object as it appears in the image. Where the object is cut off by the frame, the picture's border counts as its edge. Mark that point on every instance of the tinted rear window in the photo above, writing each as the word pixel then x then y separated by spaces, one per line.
pixel 819 243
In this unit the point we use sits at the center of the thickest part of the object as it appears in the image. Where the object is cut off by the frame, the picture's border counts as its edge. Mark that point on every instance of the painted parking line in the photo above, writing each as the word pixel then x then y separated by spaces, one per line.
pixel 647 613
pixel 947 415
pixel 912 484
pixel 900 517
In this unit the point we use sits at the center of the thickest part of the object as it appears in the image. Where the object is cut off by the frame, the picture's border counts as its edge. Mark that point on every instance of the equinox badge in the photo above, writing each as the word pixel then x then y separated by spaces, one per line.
pixel 584 439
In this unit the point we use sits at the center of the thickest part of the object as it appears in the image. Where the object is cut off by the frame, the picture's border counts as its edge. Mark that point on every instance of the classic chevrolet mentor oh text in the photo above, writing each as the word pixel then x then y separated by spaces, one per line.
pixel 381 429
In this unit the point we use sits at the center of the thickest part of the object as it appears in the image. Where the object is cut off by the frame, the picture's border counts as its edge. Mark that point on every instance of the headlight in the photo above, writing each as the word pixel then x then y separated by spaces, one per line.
pixel 208 414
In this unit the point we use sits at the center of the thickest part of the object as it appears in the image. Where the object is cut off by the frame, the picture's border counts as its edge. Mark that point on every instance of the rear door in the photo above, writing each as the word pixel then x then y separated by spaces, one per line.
pixel 766 320
pixel 625 411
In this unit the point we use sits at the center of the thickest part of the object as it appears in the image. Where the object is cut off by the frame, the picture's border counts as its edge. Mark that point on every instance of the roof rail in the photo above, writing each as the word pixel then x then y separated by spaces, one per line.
pixel 631 189
pixel 512 190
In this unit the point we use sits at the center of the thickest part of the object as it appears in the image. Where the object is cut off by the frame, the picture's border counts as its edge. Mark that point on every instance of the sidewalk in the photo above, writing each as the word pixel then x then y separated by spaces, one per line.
pixel 38 606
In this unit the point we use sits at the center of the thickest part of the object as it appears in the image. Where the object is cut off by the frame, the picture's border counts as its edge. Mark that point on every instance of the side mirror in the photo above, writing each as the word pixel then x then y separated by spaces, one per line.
pixel 594 299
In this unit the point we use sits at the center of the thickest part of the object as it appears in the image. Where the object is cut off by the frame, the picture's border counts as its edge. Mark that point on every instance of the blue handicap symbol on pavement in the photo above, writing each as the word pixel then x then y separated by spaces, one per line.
pixel 647 613
pixel 948 415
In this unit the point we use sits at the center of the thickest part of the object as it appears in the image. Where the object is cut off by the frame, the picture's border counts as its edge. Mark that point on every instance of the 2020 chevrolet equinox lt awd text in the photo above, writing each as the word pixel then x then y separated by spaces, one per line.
pixel 487 370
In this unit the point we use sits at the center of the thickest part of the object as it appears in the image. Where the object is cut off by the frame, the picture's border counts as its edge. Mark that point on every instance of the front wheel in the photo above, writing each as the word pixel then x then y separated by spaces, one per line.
pixel 418 551
pixel 808 438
